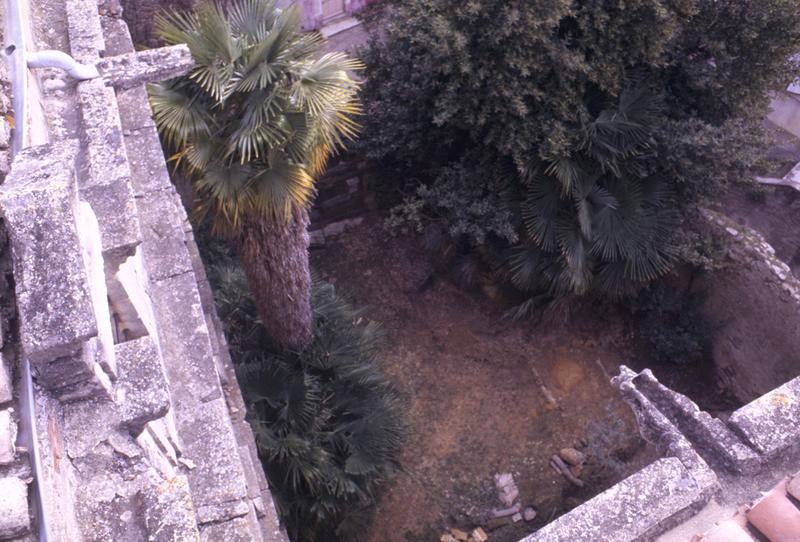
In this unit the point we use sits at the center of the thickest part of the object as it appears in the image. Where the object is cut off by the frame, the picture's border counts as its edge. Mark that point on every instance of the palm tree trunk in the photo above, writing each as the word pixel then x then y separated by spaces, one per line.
pixel 275 259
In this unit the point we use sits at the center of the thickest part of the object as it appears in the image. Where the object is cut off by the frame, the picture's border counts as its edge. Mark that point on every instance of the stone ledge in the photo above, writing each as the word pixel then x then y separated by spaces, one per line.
pixel 133 69
pixel 629 509
pixel 771 423
pixel 710 436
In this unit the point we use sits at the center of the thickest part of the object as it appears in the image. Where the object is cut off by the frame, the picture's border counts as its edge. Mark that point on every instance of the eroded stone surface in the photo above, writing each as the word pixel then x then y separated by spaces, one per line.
pixel 771 423
pixel 38 202
pixel 628 509
pixel 14 518
pixel 133 69
pixel 710 436
pixel 142 391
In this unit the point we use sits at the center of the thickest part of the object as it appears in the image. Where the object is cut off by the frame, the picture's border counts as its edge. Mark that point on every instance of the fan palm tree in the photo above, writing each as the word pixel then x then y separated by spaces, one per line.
pixel 251 126
pixel 599 219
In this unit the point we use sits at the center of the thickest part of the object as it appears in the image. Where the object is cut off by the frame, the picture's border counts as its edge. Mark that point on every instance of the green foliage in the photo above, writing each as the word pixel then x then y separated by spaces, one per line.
pixel 578 136
pixel 329 427
pixel 671 324
pixel 256 119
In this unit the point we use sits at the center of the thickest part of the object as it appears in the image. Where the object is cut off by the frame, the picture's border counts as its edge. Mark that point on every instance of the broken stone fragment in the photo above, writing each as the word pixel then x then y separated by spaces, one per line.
pixel 529 514
pixel 479 535
pixel 503 512
pixel 516 518
pixel 458 534
pixel 506 488
pixel 572 456
pixel 447 537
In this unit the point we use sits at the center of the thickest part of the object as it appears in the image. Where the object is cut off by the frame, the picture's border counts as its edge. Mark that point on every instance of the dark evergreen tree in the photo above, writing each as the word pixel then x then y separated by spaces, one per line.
pixel 577 136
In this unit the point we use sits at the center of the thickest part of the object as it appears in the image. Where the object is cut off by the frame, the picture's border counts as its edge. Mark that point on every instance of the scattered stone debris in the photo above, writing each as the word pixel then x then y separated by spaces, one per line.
pixel 529 514
pixel 569 463
pixel 503 512
pixel 506 488
pixel 512 512
pixel 572 456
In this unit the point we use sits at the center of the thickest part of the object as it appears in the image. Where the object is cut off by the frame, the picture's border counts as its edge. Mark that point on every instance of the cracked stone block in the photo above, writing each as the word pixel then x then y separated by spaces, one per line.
pixel 8 434
pixel 163 240
pixel 169 512
pixel 132 69
pixel 142 388
pixel 105 185
pixel 162 458
pixel 38 202
pixel 217 482
pixel 148 170
pixel 771 423
pixel 185 343
pixel 116 35
pixel 87 424
pixel 135 114
pixel 14 517
pixel 85 31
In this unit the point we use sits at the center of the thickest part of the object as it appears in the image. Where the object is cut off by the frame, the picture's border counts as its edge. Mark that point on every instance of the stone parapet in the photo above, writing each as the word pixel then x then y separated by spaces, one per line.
pixel 771 423
pixel 137 420
pixel 703 457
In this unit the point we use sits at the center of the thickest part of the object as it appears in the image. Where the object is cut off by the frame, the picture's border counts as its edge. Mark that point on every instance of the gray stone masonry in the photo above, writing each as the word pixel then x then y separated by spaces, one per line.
pixel 106 185
pixel 142 393
pixel 138 419
pixel 626 511
pixel 38 202
pixel 133 69
pixel 673 489
pixel 14 518
pixel 710 436
pixel 771 423
pixel 63 313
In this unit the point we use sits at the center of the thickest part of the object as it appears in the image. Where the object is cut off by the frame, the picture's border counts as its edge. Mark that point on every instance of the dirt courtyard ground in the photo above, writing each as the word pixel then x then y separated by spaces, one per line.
pixel 473 382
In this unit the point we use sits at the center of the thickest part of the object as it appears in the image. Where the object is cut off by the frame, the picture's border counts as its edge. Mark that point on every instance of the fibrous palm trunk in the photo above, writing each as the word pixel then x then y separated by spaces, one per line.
pixel 274 255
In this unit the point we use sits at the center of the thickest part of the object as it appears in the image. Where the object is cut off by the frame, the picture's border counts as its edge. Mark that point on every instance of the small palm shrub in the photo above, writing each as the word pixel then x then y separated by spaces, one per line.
pixel 329 427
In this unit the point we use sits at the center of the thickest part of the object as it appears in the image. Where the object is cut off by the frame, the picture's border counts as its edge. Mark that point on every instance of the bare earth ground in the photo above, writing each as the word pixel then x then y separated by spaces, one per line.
pixel 473 385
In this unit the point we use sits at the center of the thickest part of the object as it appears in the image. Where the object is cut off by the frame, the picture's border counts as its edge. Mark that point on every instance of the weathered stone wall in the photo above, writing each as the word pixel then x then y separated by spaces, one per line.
pixel 703 456
pixel 753 307
pixel 138 421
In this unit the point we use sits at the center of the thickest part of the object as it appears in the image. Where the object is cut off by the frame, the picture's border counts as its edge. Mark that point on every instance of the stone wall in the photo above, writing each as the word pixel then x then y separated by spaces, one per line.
pixel 137 423
pixel 703 458
pixel 753 307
